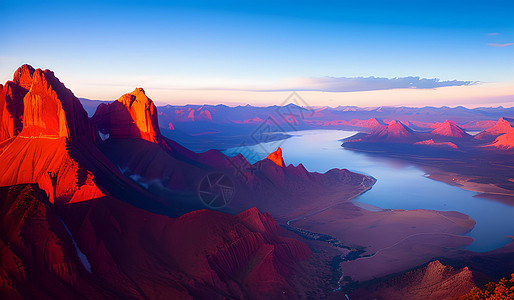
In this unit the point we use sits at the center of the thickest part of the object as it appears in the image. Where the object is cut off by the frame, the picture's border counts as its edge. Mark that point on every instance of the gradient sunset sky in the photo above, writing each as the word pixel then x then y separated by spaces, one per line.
pixel 366 53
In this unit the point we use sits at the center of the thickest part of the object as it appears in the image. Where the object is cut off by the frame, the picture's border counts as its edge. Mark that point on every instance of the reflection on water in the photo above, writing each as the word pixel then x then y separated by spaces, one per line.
pixel 400 185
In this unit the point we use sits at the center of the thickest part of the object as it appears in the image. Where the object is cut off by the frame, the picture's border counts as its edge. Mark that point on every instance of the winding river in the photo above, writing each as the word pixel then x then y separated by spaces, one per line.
pixel 400 185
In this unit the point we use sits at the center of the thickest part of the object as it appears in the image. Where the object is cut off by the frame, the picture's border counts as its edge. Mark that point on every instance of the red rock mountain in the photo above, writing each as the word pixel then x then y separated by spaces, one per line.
pixel 192 114
pixel 38 258
pixel 432 281
pixel 44 117
pixel 394 132
pixel 50 109
pixel 133 115
pixel 171 171
pixel 504 141
pixel 450 129
pixel 108 249
pixel 276 157
pixel 501 127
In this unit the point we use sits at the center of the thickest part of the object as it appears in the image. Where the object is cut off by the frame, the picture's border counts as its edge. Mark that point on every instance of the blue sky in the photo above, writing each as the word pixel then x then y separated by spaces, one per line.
pixel 101 49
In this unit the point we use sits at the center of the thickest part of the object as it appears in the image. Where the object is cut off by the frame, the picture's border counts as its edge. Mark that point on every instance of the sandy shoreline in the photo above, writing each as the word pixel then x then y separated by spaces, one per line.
pixel 393 240
pixel 485 190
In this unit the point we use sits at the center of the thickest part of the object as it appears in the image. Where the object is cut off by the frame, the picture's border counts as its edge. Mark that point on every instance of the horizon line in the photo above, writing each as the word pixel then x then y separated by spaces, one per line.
pixel 315 106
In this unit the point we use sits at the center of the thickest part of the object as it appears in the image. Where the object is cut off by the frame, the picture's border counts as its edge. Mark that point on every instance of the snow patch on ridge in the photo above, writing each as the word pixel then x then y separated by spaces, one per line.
pixel 80 254
pixel 103 136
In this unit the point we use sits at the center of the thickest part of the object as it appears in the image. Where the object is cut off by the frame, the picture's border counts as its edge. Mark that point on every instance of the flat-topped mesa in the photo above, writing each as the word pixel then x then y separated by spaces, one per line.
pixel 501 127
pixel 276 157
pixel 133 115
pixel 450 129
pixel 49 108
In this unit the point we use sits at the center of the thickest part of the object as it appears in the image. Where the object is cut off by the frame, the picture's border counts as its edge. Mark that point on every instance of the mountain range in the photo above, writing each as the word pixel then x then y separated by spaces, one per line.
pixel 107 207
pixel 104 204
pixel 202 126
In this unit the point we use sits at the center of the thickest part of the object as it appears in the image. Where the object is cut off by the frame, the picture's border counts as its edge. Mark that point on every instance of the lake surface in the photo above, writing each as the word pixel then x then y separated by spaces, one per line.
pixel 400 185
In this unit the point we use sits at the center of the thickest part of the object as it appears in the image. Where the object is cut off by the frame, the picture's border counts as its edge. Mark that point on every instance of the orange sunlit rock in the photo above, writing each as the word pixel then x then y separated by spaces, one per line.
pixel 450 129
pixel 133 115
pixel 276 157
pixel 505 141
pixel 501 127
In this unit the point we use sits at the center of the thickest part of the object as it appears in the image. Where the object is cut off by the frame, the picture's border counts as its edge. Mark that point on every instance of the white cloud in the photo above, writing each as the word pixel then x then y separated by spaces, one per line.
pixel 500 45
pixel 356 84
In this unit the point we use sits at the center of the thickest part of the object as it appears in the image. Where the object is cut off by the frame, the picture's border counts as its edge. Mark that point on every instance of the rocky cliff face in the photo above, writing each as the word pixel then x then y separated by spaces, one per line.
pixel 133 115
pixel 44 117
pixel 11 109
pixel 50 109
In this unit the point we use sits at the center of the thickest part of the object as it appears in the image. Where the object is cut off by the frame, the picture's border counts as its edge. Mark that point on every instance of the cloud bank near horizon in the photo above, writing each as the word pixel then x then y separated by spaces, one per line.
pixel 317 84
pixel 362 84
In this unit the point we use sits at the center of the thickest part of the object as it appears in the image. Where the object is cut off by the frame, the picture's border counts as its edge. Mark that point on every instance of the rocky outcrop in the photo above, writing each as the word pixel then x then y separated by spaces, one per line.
pixel 276 157
pixel 133 115
pixel 45 117
pixel 50 109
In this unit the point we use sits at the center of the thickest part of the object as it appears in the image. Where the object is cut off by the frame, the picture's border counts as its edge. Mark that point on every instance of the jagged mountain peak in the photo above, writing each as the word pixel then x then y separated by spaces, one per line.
pixel 43 105
pixel 502 126
pixel 133 115
pixel 23 76
pixel 276 157
pixel 450 129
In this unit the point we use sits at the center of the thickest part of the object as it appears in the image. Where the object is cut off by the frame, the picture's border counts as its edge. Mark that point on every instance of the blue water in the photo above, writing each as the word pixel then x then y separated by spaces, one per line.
pixel 400 185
